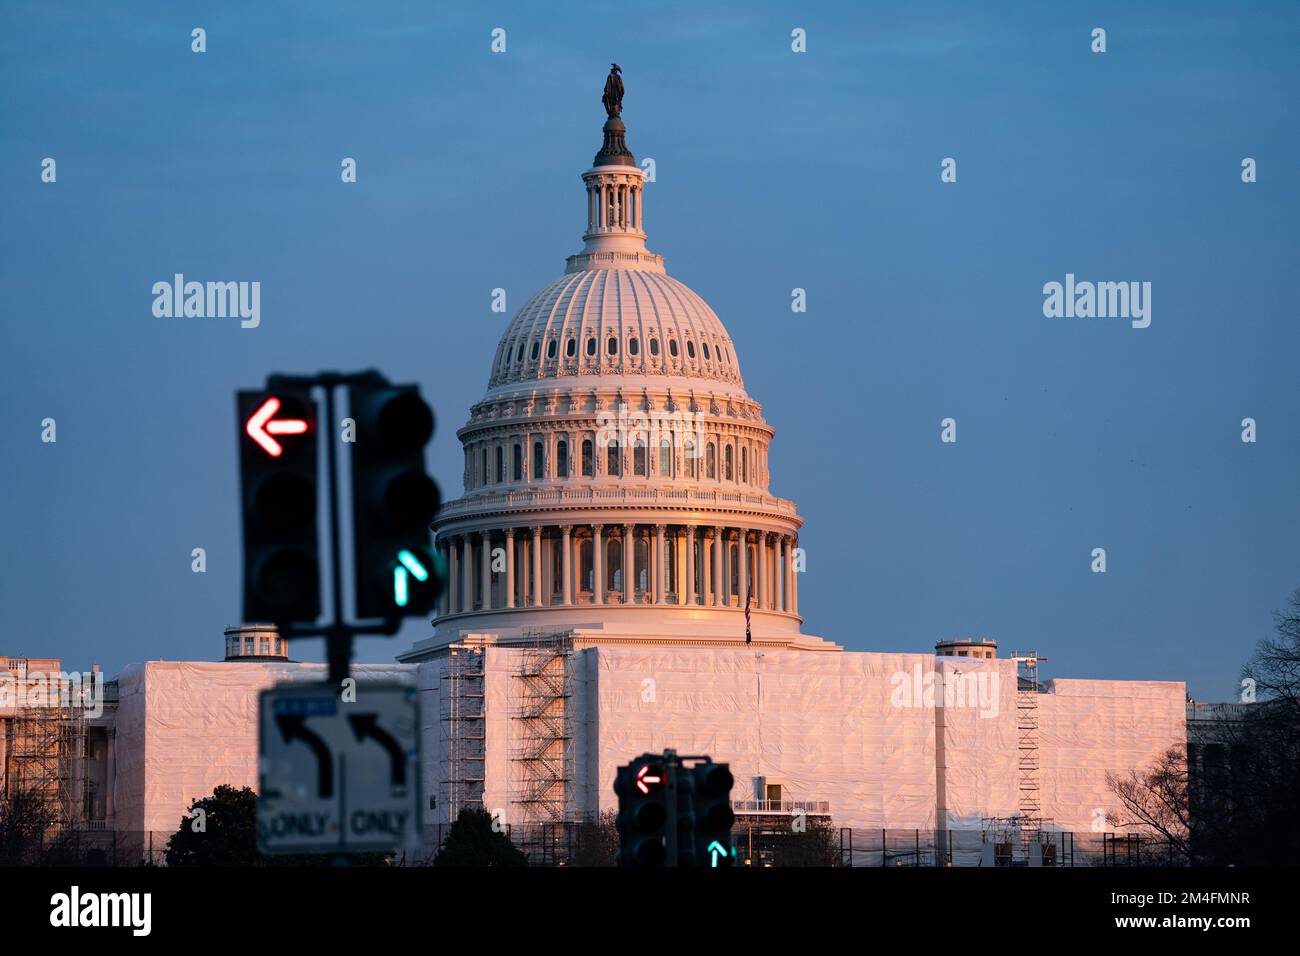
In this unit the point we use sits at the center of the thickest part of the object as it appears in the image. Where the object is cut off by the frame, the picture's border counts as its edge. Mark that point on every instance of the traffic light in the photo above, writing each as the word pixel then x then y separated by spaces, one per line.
pixel 277 461
pixel 709 840
pixel 393 502
pixel 643 820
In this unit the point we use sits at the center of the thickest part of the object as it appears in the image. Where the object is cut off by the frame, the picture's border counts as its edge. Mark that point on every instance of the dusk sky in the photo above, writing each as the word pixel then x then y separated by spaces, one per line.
pixel 775 170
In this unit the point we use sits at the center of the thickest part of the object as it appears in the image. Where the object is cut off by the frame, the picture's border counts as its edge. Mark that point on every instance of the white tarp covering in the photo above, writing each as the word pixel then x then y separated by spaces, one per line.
pixel 978 752
pixel 827 726
pixel 1090 727
pixel 182 729
pixel 896 741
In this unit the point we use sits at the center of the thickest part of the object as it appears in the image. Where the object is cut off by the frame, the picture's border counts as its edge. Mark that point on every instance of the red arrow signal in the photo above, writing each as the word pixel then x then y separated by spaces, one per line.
pixel 644 777
pixel 262 426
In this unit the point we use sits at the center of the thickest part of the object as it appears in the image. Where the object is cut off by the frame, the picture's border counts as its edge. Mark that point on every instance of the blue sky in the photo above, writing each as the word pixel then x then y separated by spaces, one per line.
pixel 775 170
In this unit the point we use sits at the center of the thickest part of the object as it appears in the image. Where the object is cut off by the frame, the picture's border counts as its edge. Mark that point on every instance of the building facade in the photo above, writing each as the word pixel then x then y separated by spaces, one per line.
pixel 623 579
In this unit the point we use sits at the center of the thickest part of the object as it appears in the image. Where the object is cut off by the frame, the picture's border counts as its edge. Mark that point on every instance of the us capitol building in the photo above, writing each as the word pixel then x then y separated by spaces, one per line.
pixel 621 581
pixel 616 471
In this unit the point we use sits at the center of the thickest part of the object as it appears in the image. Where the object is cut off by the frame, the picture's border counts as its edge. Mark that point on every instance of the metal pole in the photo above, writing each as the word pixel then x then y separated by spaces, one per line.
pixel 339 641
pixel 670 768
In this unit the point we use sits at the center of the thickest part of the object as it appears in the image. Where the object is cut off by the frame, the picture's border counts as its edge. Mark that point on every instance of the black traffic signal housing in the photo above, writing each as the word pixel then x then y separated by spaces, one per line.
pixel 642 788
pixel 393 502
pixel 706 840
pixel 278 476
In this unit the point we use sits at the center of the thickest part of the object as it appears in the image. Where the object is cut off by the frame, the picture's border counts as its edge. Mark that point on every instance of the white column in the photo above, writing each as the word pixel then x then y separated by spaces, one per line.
pixel 690 566
pixel 468 573
pixel 510 567
pixel 706 566
pixel 781 583
pixel 629 555
pixel 718 585
pixel 794 580
pixel 742 554
pixel 760 569
pixel 485 565
pixel 597 564
pixel 453 576
pixel 566 559
pixel 787 605
pixel 657 567
pixel 537 567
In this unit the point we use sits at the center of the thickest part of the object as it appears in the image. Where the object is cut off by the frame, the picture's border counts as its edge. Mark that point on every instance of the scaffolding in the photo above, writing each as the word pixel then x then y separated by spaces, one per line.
pixel 1030 820
pixel 542 752
pixel 45 756
pixel 464 727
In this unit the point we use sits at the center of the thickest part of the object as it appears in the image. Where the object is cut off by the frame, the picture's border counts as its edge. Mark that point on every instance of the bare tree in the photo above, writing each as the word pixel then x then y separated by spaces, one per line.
pixel 1156 800
pixel 25 820
pixel 595 840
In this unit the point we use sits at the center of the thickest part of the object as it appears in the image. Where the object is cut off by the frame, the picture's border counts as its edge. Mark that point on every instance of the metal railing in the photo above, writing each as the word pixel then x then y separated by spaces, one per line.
pixel 552 497
pixel 820 807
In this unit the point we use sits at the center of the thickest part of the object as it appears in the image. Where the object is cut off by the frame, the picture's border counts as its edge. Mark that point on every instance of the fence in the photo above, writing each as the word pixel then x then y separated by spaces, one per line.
pixel 985 848
pixel 587 844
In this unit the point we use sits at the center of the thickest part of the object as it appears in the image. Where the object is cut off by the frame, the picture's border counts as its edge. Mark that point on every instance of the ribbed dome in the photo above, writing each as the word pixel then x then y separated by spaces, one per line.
pixel 625 322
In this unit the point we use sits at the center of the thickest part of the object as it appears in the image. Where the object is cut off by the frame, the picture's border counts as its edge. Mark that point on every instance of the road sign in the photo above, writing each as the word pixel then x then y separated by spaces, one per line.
pixel 338 776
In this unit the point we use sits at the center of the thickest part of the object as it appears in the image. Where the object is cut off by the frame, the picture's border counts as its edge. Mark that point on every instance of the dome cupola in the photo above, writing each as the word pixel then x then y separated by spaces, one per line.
pixel 616 471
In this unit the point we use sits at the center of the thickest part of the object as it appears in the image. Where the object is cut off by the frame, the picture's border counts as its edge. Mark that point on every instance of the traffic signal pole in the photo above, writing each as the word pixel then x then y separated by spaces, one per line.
pixel 337 633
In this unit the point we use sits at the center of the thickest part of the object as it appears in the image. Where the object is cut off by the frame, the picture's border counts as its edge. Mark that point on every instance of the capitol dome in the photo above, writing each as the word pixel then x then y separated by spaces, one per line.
pixel 616 472
pixel 634 322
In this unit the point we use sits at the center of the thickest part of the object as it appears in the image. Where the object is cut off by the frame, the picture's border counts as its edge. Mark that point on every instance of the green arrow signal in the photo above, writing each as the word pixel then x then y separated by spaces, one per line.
pixel 408 566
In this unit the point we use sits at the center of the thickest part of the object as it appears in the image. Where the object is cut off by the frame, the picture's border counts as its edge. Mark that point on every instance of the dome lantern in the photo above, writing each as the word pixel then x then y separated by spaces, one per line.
pixel 615 234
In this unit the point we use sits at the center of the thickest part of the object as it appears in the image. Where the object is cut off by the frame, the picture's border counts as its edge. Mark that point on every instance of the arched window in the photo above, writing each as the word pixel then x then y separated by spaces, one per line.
pixel 706 351
pixel 641 559
pixel 612 347
pixel 562 459
pixel 612 458
pixel 613 565
pixel 519 353
pixel 633 347
pixel 638 455
pixel 571 348
pixel 744 464
pixel 730 464
pixel 591 346
pixel 690 349
pixel 654 346
pixel 586 575
pixel 669 565
pixel 518 463
pixel 688 452
pixel 711 461
pixel 501 466
pixel 672 347
pixel 550 349
pixel 733 559
pixel 588 462
pixel 537 349
pixel 665 457
pixel 539 461
pixel 483 471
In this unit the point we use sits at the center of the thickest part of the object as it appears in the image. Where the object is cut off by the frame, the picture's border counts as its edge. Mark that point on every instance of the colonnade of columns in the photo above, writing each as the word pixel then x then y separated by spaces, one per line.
pixel 613 205
pixel 671 564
